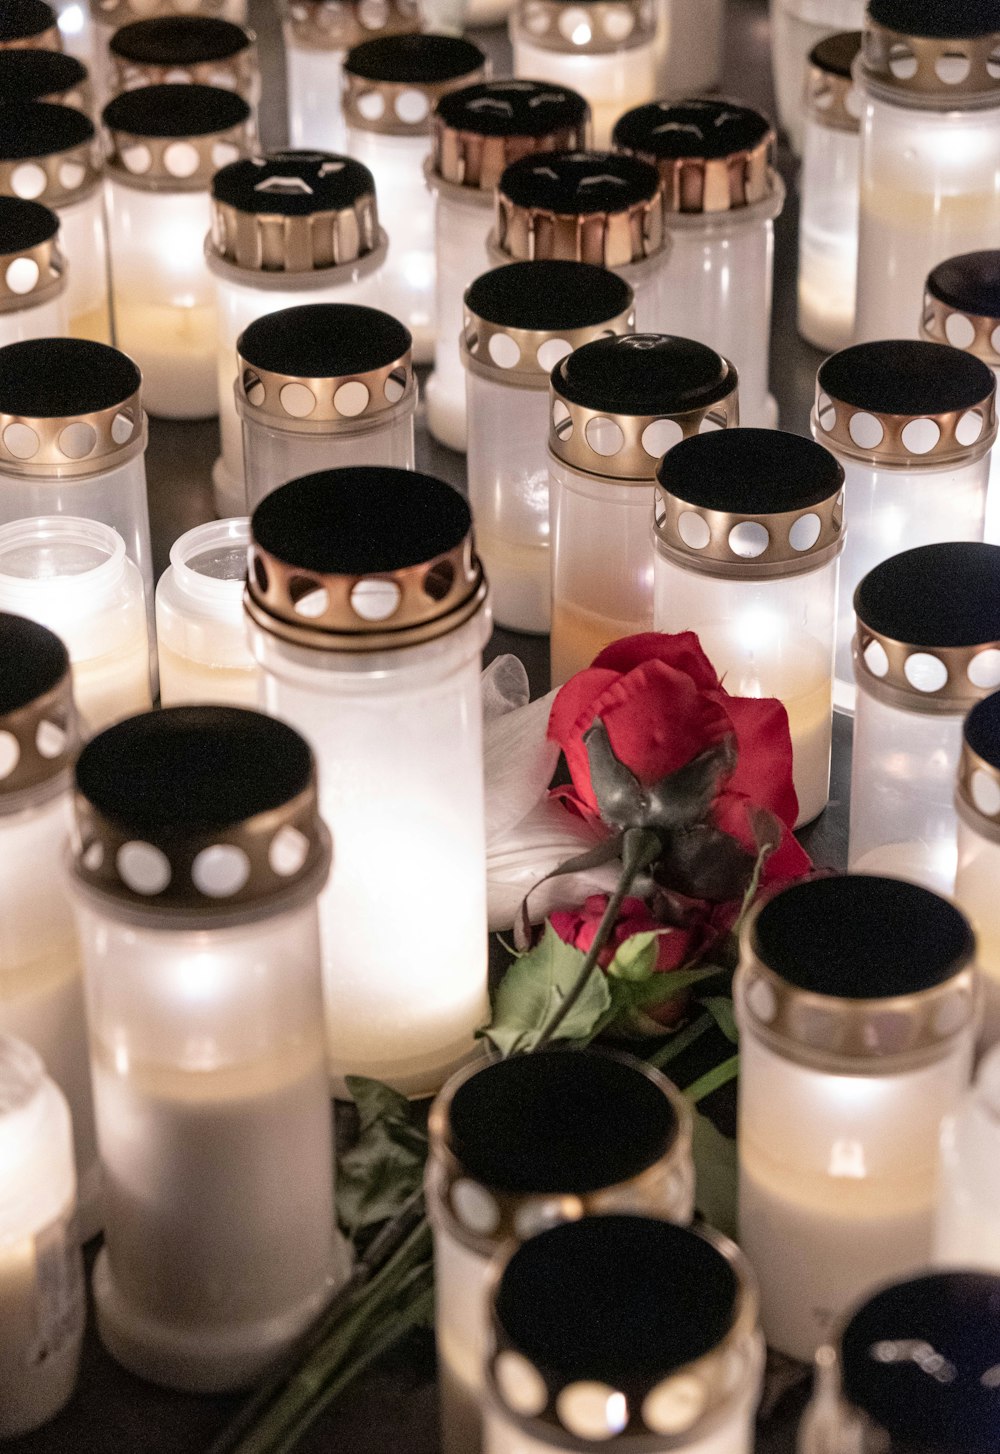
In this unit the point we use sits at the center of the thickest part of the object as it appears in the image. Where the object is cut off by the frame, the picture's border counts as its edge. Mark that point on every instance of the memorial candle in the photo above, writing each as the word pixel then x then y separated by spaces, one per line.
pixel 202 50
pixel 796 27
pixel 32 272
pixel 107 17
pixel 977 803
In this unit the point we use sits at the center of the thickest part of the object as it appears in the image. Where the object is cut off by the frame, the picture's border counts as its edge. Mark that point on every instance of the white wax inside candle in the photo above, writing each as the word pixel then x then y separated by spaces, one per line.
pixel 828 236
pixel 84 242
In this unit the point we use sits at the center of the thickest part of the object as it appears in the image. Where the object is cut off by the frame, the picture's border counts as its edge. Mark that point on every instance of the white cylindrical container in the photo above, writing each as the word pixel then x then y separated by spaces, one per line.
pixel 50 154
pixel 203 50
pixel 73 576
pixel 856 1001
pixel 617 405
pixel 317 38
pixel 32 271
pixel 477 132
pixel 109 16
pixel 201 635
pixel 166 143
pixel 390 88
pixel 291 228
pixel 967 1230
pixel 72 442
pixel 797 26
pixel 324 387
pixel 41 985
pixel 829 186
pixel 927 648
pixel 29 25
pixel 627 1333
pixel 930 132
pixel 520 320
pixel 690 41
pixel 748 534
pixel 721 194
pixel 913 425
pixel 198 855
pixel 977 802
pixel 45 75
pixel 42 1303
pixel 604 49
pixel 591 207
pixel 911 1369
pixel 368 614
pixel 618 1139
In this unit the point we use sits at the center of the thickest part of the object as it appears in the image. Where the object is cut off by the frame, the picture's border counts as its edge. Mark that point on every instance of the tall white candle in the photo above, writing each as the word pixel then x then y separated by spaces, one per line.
pixel 967 1229
pixel 977 803
pixel 796 27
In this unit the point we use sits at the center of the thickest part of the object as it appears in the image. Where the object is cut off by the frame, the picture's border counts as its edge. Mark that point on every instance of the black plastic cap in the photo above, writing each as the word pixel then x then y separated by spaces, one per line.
pixel 557 1123
pixel 750 471
pixel 181 110
pixel 21 19
pixel 901 376
pixel 179 40
pixel 28 75
pixel 943 19
pixel 49 378
pixel 421 60
pixel 549 296
pixel 187 769
pixel 324 341
pixel 982 729
pixel 695 128
pixel 360 521
pixel 921 1360
pixel 293 183
pixel 970 283
pixel 24 224
pixel 32 661
pixel 835 54
pixel 40 129
pixel 858 937
pixel 644 373
pixel 582 182
pixel 935 595
pixel 512 108
pixel 620 1300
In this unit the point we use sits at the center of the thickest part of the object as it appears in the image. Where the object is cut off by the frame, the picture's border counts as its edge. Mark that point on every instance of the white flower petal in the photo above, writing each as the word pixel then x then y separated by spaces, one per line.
pixel 515 861
pixel 519 762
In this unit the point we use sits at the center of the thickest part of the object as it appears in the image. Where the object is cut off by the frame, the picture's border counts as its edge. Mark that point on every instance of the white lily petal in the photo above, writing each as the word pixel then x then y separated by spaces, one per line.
pixel 519 762
pixel 544 838
pixel 504 686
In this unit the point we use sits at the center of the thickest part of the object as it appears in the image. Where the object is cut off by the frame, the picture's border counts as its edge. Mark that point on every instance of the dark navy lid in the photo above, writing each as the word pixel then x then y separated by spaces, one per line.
pixel 179 40
pixel 942 19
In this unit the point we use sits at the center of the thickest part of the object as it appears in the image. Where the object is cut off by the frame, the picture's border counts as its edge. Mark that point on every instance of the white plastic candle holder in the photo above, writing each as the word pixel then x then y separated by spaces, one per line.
pixel 325 386
pixel 977 802
pixel 721 194
pixel 617 405
pixel 29 25
pixel 930 187
pixel 166 142
pixel 368 614
pixel 197 857
pixel 748 532
pixel 109 16
pixel 625 1331
pixel 201 636
pixel 391 86
pixel 591 207
pixel 203 50
pixel 967 1229
pixel 318 34
pixel 45 75
pixel 912 424
pixel 603 49
pixel 618 1139
pixel 292 228
pixel 42 1301
pixel 829 187
pixel 32 272
pixel 912 1368
pixel 856 1001
pixel 796 27
pixel 520 321
pixel 41 985
pixel 477 132
pixel 690 40
pixel 50 154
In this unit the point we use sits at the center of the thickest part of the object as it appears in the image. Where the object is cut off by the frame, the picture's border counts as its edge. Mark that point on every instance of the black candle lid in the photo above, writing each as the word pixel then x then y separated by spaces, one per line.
pixel 24 225
pixel 549 297
pixel 977 797
pixel 292 183
pixel 38 730
pixel 414 60
pixel 512 107
pixel 179 40
pixel 982 729
pixel 34 75
pixel 701 127
pixel 34 661
pixel 970 282
pixel 41 129
pixel 920 1359
pixel 835 54
pixel 577 184
pixel 24 19
pixel 174 111
pixel 32 268
pixel 646 373
pixel 937 18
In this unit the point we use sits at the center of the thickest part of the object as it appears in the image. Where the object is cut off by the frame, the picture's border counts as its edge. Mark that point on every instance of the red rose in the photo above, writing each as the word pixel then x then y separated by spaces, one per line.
pixel 675 946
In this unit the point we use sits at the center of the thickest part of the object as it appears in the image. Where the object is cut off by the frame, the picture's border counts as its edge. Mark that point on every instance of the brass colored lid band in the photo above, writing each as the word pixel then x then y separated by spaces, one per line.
pixel 340 25
pixel 963 435
pixel 608 239
pixel 538 351
pixel 599 27
pixel 56 180
pixel 239 73
pixel 832 101
pixel 469 162
pixel 176 164
pixel 49 39
pixel 389 108
pixel 287 244
pixel 46 731
pixel 947 73
pixel 940 323
pixel 32 276
pixel 73 448
pixel 977 793
pixel 748 547
pixel 113 14
pixel 350 404
pixel 929 679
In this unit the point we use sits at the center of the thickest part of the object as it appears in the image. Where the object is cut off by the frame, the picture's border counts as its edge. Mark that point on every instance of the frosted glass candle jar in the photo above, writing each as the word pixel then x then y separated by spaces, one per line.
pixel 390 87
pixel 690 37
pixel 195 874
pixel 204 50
pixel 29 25
pixel 855 998
pixel 291 228
pixel 44 75
pixel 748 532
pixel 967 1229
pixel 828 217
pixel 930 186
pixel 32 272
pixel 604 49
pixel 721 195
pixel 318 36
pixel 587 1343
pixel 520 320
pixel 617 406
pixel 73 576
pixel 797 26
pixel 41 988
pixel 911 1369
pixel 368 614
pixel 913 428
pixel 977 802
pixel 492 1181
pixel 166 142
pixel 325 386
pixel 476 133
pixel 50 154
pixel 42 1305
pixel 72 442
pixel 927 648
pixel 591 207
pixel 201 636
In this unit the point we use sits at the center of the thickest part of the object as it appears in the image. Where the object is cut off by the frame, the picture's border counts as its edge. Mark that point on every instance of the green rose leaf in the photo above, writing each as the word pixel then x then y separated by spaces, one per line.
pixel 635 957
pixel 721 1010
pixel 534 988
pixel 386 1166
pixel 715 1168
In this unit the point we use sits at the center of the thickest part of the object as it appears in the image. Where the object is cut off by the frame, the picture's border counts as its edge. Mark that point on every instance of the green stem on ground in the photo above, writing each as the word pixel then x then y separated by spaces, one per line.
pixel 713 1080
pixel 680 1042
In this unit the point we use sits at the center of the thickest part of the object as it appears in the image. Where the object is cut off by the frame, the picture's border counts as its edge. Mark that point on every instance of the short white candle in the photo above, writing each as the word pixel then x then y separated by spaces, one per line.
pixel 32 271
pixel 967 1230
pixel 797 26
pixel 977 803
